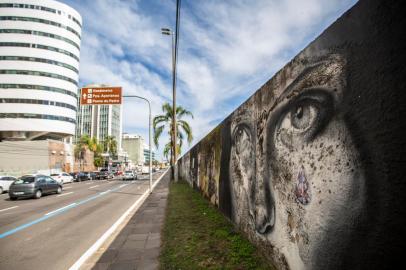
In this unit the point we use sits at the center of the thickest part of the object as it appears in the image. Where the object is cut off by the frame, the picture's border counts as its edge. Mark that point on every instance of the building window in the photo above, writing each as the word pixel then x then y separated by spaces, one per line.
pixel 37 73
pixel 37 116
pixel 38 87
pixel 37 7
pixel 37 101
pixel 39 33
pixel 30 19
pixel 38 46
pixel 39 60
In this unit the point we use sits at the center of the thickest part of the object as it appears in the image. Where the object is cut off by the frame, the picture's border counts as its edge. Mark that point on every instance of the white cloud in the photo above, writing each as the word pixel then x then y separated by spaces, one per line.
pixel 227 50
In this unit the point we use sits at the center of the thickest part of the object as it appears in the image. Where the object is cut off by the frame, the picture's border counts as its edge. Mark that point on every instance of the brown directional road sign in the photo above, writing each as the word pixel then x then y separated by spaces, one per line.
pixel 100 96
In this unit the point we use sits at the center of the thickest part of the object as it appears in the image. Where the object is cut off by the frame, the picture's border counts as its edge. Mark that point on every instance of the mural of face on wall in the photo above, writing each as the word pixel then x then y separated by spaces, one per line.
pixel 295 175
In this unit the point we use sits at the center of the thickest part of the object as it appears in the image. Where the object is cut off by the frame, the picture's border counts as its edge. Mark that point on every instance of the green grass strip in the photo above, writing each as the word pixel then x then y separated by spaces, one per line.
pixel 197 236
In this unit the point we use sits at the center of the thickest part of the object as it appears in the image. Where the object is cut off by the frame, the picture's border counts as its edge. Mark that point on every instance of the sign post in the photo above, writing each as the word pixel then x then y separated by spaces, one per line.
pixel 100 96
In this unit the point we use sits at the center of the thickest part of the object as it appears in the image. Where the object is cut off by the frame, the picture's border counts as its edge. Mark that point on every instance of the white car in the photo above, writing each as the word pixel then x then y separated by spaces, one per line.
pixel 129 175
pixel 145 170
pixel 62 177
pixel 5 182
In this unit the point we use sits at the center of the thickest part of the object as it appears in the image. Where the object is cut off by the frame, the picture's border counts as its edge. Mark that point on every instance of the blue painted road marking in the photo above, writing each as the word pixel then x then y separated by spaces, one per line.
pixel 57 212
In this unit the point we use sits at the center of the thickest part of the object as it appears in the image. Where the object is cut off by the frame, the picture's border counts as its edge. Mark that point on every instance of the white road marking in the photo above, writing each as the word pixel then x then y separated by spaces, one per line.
pixel 59 209
pixel 104 192
pixel 64 194
pixel 89 183
pixel 110 231
pixel 123 185
pixel 94 186
pixel 5 209
pixel 67 187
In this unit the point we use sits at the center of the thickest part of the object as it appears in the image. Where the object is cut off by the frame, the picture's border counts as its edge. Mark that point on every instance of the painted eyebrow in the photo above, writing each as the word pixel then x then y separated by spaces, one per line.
pixel 290 90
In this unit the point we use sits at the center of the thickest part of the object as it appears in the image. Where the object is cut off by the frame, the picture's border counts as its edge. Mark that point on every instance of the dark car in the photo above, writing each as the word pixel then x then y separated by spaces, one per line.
pixel 103 174
pixel 74 175
pixel 33 186
pixel 93 175
pixel 82 176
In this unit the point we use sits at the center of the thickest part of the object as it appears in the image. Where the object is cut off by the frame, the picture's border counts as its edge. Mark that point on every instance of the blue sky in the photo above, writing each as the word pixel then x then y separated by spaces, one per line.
pixel 227 50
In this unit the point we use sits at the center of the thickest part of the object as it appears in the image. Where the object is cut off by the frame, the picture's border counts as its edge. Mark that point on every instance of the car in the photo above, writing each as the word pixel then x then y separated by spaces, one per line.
pixel 74 175
pixel 103 174
pixel 33 186
pixel 93 175
pixel 145 170
pixel 5 182
pixel 62 177
pixel 82 176
pixel 89 176
pixel 129 175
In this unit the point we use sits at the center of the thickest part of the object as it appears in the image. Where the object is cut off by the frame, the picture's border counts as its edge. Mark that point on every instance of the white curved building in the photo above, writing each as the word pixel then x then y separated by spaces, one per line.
pixel 39 69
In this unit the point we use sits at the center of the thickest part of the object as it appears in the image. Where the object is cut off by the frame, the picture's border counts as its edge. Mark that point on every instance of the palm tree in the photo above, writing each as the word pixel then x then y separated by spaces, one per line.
pixel 85 142
pixel 110 145
pixel 81 147
pixel 182 127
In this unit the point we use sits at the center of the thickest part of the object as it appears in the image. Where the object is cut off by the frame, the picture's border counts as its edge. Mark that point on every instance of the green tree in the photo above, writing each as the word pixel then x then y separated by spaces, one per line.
pixel 110 145
pixel 183 128
pixel 81 147
pixel 85 142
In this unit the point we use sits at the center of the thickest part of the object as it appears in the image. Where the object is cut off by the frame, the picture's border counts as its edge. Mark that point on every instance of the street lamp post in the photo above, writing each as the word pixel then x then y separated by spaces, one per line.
pixel 168 32
pixel 150 138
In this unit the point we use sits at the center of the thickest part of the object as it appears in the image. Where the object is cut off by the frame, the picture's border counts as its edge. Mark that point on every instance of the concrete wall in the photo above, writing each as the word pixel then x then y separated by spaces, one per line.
pixel 43 156
pixel 311 167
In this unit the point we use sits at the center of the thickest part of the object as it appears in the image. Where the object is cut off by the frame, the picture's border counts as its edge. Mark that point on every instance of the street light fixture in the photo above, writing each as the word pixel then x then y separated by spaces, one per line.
pixel 150 138
pixel 168 32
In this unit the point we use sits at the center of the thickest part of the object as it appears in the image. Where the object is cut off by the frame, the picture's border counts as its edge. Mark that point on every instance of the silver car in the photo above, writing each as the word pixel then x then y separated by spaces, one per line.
pixel 33 186
pixel 5 182
pixel 129 175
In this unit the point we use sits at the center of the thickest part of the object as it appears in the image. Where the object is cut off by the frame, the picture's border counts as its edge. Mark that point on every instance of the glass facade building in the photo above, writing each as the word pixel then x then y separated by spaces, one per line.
pixel 39 69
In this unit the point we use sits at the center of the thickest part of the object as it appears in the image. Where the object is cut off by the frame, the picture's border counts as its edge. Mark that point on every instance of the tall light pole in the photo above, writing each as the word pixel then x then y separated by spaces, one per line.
pixel 175 42
pixel 167 31
pixel 150 138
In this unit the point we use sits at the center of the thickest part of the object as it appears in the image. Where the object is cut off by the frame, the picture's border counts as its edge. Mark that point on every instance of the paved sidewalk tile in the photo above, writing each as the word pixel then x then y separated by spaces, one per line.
pixel 139 243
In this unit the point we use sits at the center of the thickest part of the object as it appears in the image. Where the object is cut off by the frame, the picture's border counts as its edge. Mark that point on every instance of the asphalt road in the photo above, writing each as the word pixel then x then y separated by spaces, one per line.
pixel 54 231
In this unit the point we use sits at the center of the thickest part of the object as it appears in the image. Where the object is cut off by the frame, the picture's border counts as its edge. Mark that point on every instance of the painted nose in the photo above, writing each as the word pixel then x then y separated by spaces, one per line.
pixel 264 210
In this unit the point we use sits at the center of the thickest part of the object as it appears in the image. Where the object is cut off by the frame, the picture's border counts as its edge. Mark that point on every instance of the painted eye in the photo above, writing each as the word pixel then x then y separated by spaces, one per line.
pixel 242 138
pixel 303 116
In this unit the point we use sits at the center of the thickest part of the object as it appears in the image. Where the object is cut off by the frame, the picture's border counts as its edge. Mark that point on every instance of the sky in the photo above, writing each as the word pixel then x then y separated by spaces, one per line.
pixel 227 50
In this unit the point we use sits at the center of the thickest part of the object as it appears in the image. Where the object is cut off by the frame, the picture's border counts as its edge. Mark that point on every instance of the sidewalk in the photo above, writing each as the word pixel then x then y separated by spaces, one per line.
pixel 137 246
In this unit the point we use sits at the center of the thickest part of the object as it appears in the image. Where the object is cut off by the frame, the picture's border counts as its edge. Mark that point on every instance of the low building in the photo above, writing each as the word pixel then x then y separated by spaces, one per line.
pixel 43 156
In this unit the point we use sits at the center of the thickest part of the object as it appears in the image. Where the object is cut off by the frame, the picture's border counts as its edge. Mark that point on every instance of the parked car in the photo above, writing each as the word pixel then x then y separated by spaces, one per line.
pixel 103 174
pixel 81 176
pixel 129 175
pixel 62 177
pixel 5 182
pixel 74 175
pixel 33 186
pixel 93 175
